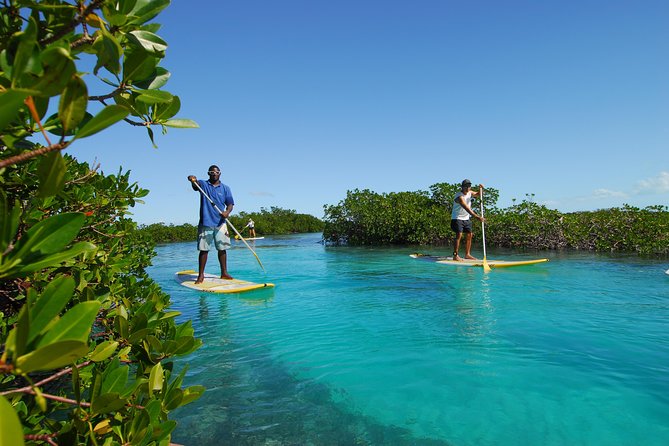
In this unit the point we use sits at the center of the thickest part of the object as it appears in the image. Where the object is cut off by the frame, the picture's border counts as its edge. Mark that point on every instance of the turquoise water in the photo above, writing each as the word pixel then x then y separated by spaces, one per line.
pixel 362 346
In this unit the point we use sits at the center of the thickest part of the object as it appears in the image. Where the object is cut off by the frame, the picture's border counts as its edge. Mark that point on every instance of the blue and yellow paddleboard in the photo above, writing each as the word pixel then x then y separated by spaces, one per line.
pixel 214 284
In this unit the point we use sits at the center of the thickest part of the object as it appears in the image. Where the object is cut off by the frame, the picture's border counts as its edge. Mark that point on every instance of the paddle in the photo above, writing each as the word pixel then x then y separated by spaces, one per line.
pixel 228 221
pixel 486 267
pixel 236 236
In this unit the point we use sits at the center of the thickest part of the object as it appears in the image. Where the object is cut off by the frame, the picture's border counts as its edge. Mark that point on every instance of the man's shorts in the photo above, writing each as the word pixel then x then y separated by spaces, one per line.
pixel 208 238
pixel 459 226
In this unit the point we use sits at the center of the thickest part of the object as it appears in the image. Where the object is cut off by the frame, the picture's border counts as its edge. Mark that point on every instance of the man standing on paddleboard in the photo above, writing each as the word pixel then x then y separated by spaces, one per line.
pixel 460 218
pixel 211 229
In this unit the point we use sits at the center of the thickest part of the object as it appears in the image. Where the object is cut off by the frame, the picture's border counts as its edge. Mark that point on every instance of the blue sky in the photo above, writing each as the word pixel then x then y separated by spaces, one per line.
pixel 299 101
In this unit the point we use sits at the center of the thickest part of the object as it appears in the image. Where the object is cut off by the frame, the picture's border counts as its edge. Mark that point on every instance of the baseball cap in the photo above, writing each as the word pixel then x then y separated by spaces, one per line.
pixel 466 183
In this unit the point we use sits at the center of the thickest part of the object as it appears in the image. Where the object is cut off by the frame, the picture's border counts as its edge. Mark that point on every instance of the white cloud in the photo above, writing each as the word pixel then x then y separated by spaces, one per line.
pixel 606 193
pixel 656 185
pixel 602 197
pixel 261 194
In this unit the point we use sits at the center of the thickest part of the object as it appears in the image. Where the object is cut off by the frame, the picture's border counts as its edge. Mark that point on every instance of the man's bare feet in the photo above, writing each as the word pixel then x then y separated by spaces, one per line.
pixel 199 279
pixel 226 276
pixel 470 258
pixel 457 258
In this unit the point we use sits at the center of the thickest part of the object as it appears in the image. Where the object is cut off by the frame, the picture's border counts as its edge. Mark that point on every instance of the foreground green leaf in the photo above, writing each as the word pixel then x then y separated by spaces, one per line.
pixel 155 97
pixel 58 67
pixel 108 116
pixel 145 10
pixel 114 378
pixel 50 235
pixel 108 51
pixel 46 261
pixel 162 430
pixel 108 402
pixel 138 66
pixel 41 245
pixel 11 102
pixel 73 102
pixel 156 379
pixel 157 79
pixel 49 304
pixel 51 173
pixel 21 333
pixel 103 351
pixel 191 394
pixel 52 356
pixel 74 325
pixel 163 112
pixel 148 41
pixel 11 431
pixel 181 123
pixel 24 51
pixel 9 223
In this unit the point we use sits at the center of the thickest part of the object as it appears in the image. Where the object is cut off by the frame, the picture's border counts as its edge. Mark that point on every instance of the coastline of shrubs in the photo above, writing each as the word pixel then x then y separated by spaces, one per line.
pixel 365 217
pixel 267 222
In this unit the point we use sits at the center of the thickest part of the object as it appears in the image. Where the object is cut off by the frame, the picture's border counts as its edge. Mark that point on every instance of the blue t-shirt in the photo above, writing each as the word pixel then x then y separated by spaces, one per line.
pixel 221 195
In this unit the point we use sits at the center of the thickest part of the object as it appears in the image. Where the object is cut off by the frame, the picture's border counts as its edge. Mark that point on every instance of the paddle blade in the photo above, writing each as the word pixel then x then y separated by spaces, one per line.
pixel 486 267
pixel 247 245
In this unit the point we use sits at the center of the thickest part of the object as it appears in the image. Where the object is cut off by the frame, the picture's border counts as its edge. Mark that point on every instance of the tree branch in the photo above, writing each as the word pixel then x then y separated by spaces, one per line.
pixel 33 154
pixel 81 18
pixel 103 97
pixel 84 178
pixel 43 437
pixel 28 389
pixel 61 399
pixel 139 124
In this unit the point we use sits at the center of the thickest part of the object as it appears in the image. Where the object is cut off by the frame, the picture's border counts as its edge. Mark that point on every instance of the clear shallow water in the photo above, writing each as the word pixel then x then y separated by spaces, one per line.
pixel 369 346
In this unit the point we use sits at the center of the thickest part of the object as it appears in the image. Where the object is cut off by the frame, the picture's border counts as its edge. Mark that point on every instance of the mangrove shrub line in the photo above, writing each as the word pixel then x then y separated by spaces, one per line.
pixel 276 220
pixel 423 217
pixel 267 222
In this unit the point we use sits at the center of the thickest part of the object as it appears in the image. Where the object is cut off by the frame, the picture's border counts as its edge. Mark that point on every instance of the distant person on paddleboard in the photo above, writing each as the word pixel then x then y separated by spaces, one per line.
pixel 460 219
pixel 212 232
pixel 252 228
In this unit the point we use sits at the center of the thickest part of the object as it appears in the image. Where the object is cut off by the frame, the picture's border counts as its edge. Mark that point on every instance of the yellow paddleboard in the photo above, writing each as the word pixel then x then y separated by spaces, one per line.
pixel 491 263
pixel 214 284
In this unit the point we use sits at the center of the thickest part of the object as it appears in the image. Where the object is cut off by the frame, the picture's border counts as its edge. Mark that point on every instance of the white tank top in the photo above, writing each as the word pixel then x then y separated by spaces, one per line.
pixel 459 213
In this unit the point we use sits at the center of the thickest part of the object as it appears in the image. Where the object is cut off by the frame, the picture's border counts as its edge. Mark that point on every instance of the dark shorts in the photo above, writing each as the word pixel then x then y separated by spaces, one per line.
pixel 461 226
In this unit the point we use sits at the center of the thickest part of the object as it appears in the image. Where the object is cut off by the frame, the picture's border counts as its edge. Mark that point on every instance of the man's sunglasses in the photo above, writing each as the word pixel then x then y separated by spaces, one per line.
pixel 213 172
